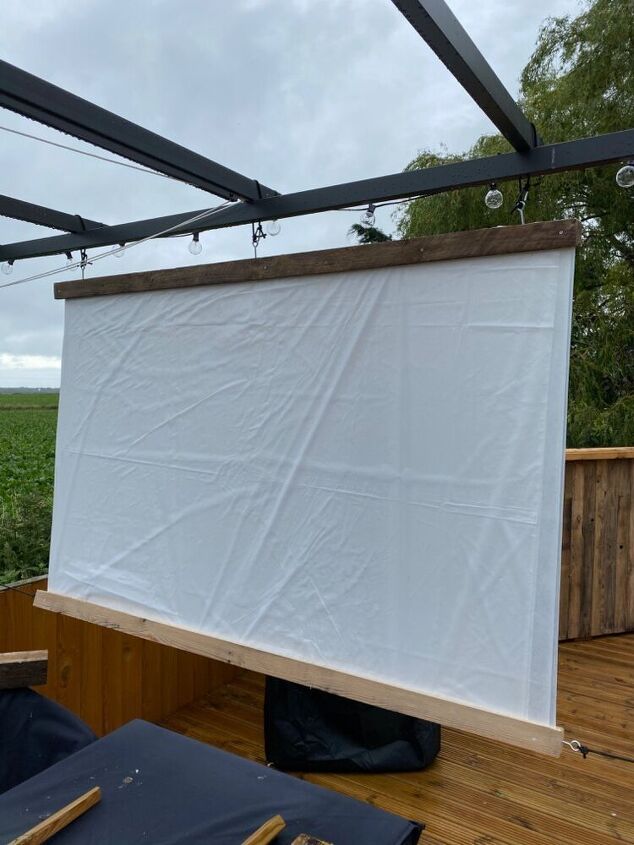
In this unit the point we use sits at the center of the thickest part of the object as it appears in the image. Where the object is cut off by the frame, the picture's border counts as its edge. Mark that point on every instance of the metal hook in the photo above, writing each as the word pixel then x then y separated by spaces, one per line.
pixel 522 199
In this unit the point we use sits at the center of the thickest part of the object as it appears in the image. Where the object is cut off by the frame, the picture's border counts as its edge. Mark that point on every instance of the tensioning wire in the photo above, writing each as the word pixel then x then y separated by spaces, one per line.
pixel 119 249
pixel 86 153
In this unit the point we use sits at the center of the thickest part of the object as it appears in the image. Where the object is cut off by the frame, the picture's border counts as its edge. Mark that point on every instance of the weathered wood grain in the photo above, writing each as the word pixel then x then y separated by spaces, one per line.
pixel 597 582
pixel 23 669
pixel 500 240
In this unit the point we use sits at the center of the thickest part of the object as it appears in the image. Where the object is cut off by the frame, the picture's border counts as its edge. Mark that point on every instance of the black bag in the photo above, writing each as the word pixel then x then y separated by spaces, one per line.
pixel 312 731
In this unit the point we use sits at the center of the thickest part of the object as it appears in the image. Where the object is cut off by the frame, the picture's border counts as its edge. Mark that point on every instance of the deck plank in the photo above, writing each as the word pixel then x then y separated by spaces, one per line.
pixel 480 792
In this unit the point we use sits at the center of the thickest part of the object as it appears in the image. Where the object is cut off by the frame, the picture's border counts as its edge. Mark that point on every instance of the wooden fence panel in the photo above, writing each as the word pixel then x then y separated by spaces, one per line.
pixel 109 678
pixel 597 572
pixel 104 676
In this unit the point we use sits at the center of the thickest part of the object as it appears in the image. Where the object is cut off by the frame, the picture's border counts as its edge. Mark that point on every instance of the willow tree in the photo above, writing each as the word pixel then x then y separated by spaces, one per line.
pixel 578 82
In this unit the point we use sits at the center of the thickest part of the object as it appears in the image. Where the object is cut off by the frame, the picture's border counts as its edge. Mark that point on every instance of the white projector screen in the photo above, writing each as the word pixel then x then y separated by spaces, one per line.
pixel 360 471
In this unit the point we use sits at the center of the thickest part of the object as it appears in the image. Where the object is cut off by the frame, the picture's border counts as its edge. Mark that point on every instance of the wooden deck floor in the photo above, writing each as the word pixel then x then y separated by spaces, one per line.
pixel 480 792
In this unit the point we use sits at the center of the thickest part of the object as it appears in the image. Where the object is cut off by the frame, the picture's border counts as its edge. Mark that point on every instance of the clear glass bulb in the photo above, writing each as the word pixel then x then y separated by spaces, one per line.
pixel 120 252
pixel 625 176
pixel 494 198
pixel 7 267
pixel 195 246
pixel 368 217
pixel 273 228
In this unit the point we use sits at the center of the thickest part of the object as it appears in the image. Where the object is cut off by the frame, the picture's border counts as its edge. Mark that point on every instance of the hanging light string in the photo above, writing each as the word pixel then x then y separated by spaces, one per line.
pixel 121 248
pixel 86 153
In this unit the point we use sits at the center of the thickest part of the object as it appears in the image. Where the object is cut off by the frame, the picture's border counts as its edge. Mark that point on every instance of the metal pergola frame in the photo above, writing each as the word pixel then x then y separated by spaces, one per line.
pixel 35 98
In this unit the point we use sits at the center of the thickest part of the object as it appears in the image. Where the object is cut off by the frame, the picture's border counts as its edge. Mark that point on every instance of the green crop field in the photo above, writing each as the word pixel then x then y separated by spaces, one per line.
pixel 27 454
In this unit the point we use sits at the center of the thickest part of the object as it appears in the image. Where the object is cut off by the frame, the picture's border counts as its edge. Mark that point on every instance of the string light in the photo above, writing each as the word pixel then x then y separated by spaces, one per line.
pixel 120 252
pixel 273 228
pixel 195 246
pixel 176 228
pixel 71 264
pixel 494 197
pixel 368 218
pixel 7 267
pixel 625 175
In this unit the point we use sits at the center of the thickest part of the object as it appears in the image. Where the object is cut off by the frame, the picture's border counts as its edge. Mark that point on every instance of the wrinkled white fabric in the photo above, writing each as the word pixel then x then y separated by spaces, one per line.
pixel 362 470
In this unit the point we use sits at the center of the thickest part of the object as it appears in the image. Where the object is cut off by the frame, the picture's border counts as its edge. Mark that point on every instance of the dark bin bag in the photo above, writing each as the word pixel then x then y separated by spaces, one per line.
pixel 35 732
pixel 312 731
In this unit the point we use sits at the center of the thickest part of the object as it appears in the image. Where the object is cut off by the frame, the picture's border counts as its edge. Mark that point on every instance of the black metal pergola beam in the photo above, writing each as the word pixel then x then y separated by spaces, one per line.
pixel 42 216
pixel 542 160
pixel 39 100
pixel 436 23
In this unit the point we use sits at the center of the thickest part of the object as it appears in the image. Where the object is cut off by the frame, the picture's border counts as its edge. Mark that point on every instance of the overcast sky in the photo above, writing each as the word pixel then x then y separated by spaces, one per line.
pixel 295 93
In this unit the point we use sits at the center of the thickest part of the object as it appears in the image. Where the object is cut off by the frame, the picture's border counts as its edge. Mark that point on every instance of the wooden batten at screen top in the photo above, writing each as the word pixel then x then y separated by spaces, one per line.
pixel 501 240
pixel 534 237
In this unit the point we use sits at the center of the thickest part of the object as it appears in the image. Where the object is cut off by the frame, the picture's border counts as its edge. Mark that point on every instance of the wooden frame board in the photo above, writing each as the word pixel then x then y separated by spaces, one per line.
pixel 453 714
pixel 501 240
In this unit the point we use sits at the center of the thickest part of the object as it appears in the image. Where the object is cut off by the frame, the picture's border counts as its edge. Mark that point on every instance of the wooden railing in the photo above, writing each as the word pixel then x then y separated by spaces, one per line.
pixel 109 678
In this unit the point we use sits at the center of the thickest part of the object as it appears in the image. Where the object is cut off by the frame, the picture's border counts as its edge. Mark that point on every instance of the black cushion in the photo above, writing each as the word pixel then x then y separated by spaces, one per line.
pixel 159 788
pixel 35 732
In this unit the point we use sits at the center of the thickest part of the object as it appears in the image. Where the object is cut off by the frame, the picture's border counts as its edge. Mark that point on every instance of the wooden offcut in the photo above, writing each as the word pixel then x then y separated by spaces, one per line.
pixel 23 669
pixel 306 839
pixel 267 832
pixel 46 829
pixel 542 738
pixel 500 240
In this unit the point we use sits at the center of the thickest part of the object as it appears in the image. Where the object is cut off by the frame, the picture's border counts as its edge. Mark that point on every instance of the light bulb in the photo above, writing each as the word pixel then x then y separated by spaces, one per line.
pixel 273 227
pixel 7 267
pixel 625 176
pixel 120 252
pixel 494 198
pixel 368 218
pixel 195 246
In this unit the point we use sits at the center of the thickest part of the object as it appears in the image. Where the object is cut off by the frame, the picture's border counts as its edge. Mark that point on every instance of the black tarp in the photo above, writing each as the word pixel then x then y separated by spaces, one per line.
pixel 35 733
pixel 160 788
pixel 313 731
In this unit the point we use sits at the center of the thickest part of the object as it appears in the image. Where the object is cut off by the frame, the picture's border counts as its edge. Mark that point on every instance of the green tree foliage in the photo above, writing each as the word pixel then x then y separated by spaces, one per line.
pixel 368 234
pixel 578 82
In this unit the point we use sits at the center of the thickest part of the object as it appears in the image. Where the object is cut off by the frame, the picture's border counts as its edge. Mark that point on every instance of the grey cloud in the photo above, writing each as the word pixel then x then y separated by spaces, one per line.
pixel 295 93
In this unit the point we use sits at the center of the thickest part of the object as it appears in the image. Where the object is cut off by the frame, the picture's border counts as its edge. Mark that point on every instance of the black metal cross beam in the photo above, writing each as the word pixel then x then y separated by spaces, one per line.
pixel 542 160
pixel 436 23
pixel 31 213
pixel 35 98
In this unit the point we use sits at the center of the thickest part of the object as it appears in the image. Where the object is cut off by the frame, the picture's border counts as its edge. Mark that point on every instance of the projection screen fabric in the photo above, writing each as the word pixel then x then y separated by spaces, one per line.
pixel 360 470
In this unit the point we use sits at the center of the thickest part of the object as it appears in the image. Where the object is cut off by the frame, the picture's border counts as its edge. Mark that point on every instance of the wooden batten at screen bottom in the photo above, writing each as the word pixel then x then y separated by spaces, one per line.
pixel 452 714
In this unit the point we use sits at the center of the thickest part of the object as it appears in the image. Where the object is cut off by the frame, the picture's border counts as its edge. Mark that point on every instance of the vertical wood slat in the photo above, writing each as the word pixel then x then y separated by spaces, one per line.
pixel 565 589
pixel 108 678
